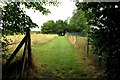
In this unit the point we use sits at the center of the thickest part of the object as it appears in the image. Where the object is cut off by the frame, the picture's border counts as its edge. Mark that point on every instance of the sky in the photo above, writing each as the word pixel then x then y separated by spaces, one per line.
pixel 63 11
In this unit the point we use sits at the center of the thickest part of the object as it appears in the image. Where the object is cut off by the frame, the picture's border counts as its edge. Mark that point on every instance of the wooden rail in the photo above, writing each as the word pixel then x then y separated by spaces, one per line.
pixel 26 53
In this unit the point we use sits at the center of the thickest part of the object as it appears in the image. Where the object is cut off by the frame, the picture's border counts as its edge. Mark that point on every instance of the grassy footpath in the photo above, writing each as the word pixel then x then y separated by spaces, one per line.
pixel 57 59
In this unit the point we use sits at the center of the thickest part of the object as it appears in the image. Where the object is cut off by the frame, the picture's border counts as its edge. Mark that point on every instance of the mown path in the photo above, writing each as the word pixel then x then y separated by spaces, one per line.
pixel 57 59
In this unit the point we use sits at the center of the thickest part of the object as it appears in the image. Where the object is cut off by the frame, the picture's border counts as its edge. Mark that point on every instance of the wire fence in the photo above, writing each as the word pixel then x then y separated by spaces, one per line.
pixel 79 42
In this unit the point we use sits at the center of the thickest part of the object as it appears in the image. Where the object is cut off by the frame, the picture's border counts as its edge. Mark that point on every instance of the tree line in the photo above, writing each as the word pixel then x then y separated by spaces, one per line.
pixel 59 27
pixel 77 24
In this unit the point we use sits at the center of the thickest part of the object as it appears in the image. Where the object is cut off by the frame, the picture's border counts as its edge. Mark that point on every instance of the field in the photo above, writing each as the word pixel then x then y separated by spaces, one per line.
pixel 35 39
pixel 59 56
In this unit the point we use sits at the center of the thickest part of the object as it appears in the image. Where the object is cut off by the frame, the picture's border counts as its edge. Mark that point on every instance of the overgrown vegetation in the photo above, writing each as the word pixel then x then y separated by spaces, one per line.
pixel 90 61
pixel 104 35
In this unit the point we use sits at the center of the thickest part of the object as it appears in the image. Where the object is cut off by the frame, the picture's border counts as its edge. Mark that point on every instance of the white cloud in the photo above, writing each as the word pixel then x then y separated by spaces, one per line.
pixel 62 12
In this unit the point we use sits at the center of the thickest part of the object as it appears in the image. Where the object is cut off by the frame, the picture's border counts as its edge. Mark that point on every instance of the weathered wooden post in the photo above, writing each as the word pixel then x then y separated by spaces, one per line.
pixel 29 47
pixel 87 45
pixel 88 40
pixel 23 60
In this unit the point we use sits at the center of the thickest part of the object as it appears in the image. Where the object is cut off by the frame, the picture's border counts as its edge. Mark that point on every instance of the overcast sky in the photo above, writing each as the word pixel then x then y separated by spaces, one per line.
pixel 63 11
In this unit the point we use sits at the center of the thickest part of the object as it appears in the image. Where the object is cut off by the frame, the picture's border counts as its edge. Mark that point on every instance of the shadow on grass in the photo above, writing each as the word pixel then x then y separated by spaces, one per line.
pixel 14 71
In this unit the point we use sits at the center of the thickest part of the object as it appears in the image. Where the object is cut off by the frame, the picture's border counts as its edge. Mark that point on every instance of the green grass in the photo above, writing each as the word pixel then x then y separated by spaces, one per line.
pixel 87 61
pixel 57 57
pixel 60 57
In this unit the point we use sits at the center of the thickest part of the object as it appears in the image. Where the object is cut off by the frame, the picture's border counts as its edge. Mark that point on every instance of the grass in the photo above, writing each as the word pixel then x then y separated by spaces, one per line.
pixel 88 61
pixel 58 57
pixel 35 39
pixel 15 66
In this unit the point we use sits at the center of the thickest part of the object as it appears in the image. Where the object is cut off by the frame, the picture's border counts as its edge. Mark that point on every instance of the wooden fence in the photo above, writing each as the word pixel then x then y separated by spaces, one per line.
pixel 26 57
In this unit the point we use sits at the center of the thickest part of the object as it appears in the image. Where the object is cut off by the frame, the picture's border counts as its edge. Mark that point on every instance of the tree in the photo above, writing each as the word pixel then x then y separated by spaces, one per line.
pixel 78 22
pixel 105 37
pixel 61 27
pixel 48 27
pixel 14 18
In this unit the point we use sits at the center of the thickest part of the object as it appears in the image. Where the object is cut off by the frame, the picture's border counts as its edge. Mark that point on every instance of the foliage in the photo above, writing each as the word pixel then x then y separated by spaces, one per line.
pixel 14 19
pixel 78 22
pixel 5 42
pixel 48 27
pixel 105 37
pixel 59 27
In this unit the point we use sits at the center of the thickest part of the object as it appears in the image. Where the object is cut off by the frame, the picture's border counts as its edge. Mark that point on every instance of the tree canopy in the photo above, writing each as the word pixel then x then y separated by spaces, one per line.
pixel 48 27
pixel 78 22
pixel 59 27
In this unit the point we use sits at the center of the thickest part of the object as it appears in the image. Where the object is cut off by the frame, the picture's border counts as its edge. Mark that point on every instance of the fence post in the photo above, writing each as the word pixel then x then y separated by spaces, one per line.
pixel 76 39
pixel 29 47
pixel 23 60
pixel 87 45
pixel 88 41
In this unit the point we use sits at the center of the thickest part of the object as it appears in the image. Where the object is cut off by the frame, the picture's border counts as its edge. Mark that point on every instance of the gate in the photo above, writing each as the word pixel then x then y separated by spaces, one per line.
pixel 26 56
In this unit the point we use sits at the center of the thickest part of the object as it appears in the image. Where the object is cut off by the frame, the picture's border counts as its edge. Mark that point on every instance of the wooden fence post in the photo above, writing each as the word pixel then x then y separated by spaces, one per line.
pixel 29 47
pixel 87 45
pixel 88 40
pixel 23 61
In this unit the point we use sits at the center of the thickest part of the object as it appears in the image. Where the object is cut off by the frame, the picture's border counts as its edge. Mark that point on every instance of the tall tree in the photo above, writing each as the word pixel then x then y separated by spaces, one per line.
pixel 78 22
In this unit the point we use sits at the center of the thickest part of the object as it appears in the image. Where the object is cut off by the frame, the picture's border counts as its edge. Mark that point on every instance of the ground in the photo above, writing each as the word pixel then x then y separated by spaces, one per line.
pixel 58 57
